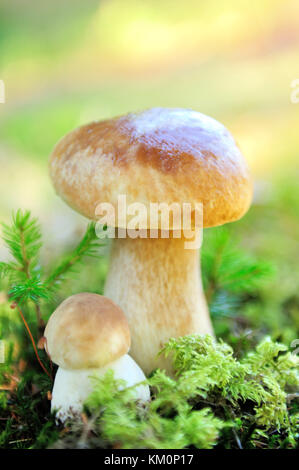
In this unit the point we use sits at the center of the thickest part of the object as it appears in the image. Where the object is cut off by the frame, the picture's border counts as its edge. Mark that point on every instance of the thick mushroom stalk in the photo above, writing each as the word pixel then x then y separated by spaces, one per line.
pixel 157 282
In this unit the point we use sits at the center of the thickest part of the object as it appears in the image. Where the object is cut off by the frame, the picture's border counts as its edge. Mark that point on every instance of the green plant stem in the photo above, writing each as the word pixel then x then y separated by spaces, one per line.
pixel 26 268
pixel 15 305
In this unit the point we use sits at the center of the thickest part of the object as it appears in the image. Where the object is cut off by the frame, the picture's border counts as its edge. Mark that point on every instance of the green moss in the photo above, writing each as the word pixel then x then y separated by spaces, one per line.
pixel 214 400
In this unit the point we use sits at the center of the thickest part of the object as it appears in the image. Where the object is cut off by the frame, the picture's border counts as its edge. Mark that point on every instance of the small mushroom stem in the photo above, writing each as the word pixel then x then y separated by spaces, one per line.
pixel 157 282
pixel 72 387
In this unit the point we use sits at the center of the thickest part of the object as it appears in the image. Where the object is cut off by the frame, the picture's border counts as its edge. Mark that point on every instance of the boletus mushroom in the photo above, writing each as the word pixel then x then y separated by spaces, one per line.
pixel 156 156
pixel 86 336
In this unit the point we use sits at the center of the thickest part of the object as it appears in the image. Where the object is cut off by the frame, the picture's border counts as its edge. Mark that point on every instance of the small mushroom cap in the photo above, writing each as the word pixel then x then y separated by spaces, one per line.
pixel 87 331
pixel 159 155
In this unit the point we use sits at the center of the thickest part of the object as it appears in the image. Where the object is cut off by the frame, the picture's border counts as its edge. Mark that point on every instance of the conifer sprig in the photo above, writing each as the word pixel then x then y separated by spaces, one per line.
pixel 23 238
pixel 229 273
pixel 24 272
pixel 88 247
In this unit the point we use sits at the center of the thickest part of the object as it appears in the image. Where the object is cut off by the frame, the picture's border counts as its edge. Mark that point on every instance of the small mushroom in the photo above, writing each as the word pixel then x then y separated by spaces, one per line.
pixel 87 335
pixel 156 156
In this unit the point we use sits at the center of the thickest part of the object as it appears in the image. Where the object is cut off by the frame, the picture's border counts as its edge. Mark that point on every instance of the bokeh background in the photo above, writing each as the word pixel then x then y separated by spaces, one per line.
pixel 67 62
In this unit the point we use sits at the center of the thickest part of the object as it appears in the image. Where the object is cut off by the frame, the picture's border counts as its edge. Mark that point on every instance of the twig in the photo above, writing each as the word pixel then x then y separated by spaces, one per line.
pixel 40 322
pixel 230 414
pixel 15 305
pixel 20 440
pixel 26 268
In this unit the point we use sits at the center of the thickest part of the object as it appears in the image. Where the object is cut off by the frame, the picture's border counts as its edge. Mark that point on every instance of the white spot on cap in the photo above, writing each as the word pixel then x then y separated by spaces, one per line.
pixel 159 118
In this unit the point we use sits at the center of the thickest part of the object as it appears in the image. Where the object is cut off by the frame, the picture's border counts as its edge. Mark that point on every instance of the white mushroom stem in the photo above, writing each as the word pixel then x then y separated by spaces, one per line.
pixel 157 283
pixel 72 387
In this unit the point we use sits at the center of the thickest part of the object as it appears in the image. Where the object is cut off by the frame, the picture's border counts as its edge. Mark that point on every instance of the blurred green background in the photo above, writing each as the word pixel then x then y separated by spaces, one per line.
pixel 67 62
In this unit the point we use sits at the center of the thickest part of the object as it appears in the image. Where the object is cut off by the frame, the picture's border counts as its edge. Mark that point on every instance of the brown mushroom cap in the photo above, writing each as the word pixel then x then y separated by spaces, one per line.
pixel 87 331
pixel 158 155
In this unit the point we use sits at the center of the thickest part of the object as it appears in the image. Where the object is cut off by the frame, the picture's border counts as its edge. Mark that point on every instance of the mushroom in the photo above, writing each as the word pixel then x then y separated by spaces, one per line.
pixel 155 156
pixel 87 335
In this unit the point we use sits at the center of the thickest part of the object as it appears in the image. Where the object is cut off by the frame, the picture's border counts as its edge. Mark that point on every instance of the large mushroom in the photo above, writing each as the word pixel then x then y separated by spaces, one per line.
pixel 86 336
pixel 156 156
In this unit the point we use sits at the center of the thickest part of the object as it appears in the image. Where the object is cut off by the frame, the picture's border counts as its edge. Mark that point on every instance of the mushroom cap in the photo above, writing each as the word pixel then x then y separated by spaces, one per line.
pixel 159 155
pixel 87 331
